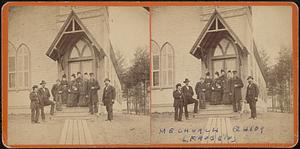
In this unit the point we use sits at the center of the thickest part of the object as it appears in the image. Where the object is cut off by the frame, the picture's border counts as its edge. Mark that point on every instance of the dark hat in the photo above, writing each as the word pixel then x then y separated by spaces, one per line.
pixel 186 80
pixel 222 70
pixel 229 71
pixel 207 74
pixel 34 86
pixel 43 82
pixel 64 76
pixel 85 73
pixel 78 73
pixel 73 75
pixel 234 71
pixel 250 77
pixel 91 73
pixel 178 84
pixel 217 73
pixel 106 79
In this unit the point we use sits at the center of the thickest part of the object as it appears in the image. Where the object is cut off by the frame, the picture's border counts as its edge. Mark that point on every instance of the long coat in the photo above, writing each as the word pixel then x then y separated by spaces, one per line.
pixel 208 82
pixel 44 95
pixel 35 100
pixel 65 87
pixel 109 94
pixel 178 100
pixel 252 92
pixel 73 93
pixel 217 88
pixel 56 91
pixel 236 88
pixel 93 93
pixel 200 88
pixel 82 87
pixel 187 93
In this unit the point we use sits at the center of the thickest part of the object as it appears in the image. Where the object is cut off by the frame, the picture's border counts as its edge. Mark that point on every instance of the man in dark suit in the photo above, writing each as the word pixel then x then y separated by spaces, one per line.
pixel 178 102
pixel 200 90
pixel 93 87
pixel 34 104
pixel 44 96
pixel 56 92
pixel 108 98
pixel 252 96
pixel 188 93
pixel 236 91
pixel 208 82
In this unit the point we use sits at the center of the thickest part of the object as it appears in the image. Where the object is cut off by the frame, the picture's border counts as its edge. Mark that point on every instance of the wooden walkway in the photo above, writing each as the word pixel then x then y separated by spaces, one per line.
pixel 75 132
pixel 218 130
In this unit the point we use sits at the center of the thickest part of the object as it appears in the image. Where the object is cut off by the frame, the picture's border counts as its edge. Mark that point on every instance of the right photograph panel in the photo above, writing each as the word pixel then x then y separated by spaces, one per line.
pixel 221 74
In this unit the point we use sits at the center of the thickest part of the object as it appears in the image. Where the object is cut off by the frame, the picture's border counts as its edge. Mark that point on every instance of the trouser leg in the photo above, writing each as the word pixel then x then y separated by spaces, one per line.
pixel 37 114
pixel 195 105
pixel 176 113
pixel 186 112
pixel 42 113
pixel 180 113
pixel 109 111
pixel 95 107
pixel 239 105
pixel 33 114
pixel 234 105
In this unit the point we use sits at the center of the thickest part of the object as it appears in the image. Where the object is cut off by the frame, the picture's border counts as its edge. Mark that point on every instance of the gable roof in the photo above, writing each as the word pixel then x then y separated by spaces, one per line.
pixel 211 32
pixel 71 31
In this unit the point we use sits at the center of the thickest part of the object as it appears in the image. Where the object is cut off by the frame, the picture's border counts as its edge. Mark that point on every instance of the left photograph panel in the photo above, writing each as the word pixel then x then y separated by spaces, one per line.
pixel 78 75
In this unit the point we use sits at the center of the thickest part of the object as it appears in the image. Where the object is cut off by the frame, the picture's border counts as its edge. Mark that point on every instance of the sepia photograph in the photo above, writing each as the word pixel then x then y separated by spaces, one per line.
pixel 221 74
pixel 78 75
pixel 149 74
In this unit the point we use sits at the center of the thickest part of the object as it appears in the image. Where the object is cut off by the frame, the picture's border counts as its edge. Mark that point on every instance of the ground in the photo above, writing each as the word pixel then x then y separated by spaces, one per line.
pixel 124 129
pixel 273 128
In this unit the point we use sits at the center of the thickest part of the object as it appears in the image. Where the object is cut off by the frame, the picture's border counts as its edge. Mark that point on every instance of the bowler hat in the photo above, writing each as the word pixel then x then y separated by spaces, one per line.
pixel 234 71
pixel 91 73
pixel 78 73
pixel 207 73
pixel 73 75
pixel 43 82
pixel 64 76
pixel 217 73
pixel 178 84
pixel 222 70
pixel 250 77
pixel 186 80
pixel 85 73
pixel 106 80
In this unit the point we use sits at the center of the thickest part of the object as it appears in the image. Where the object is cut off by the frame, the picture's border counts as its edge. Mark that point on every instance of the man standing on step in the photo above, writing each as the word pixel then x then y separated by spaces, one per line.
pixel 108 98
pixel 93 87
pixel 252 96
pixel 64 83
pixel 208 82
pixel 188 94
pixel 82 90
pixel 236 90
pixel 200 90
pixel 56 92
pixel 44 96
pixel 73 92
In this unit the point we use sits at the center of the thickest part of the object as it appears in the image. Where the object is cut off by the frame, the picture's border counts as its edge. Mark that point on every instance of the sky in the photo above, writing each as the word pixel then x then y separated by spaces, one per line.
pixel 129 30
pixel 272 27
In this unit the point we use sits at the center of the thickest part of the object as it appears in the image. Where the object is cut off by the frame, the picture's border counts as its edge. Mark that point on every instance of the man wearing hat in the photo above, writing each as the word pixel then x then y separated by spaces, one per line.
pixel 200 90
pixel 252 96
pixel 93 87
pixel 45 95
pixel 108 98
pixel 34 104
pixel 56 92
pixel 178 103
pixel 188 93
pixel 73 92
pixel 216 88
pixel 65 85
pixel 208 83
pixel 236 92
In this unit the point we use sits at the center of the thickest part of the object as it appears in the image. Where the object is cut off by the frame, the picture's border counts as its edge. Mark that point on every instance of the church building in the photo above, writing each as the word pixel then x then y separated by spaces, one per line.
pixel 187 42
pixel 47 42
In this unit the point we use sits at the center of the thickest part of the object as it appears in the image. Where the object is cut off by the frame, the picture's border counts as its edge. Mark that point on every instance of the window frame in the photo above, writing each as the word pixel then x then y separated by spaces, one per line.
pixel 23 71
pixel 14 55
pixel 166 68
pixel 157 53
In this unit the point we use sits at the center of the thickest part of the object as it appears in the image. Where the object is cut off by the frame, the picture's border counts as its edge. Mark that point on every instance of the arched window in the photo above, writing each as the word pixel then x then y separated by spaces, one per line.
pixel 11 66
pixel 81 58
pixel 155 64
pixel 167 54
pixel 23 64
pixel 224 56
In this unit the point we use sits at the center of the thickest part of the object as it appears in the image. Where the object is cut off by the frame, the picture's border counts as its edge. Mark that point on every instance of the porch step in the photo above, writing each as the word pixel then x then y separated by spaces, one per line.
pixel 217 111
pixel 74 113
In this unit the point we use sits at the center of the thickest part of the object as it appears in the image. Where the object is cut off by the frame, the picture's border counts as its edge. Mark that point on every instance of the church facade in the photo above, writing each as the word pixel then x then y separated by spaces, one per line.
pixel 47 42
pixel 187 42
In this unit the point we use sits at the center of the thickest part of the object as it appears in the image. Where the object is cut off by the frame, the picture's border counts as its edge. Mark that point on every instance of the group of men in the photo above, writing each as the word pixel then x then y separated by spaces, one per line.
pixel 223 89
pixel 76 92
